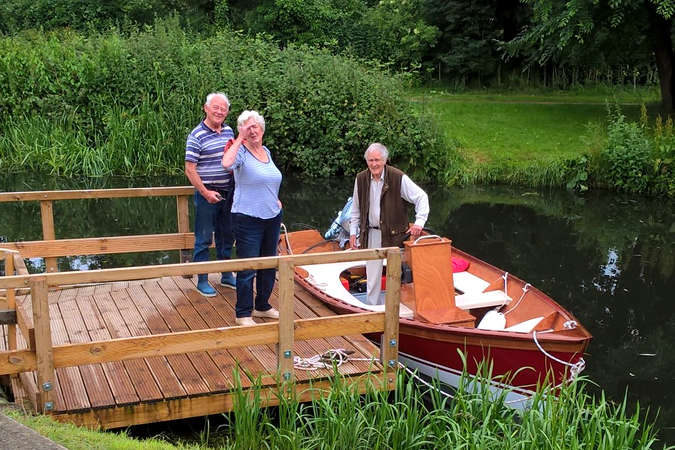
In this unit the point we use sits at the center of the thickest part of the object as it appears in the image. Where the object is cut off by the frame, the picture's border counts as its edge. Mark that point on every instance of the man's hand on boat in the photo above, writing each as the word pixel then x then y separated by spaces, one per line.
pixel 414 231
pixel 352 242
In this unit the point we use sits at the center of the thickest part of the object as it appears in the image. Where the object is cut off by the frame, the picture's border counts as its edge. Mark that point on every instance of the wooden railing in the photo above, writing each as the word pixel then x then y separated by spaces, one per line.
pixel 51 248
pixel 42 356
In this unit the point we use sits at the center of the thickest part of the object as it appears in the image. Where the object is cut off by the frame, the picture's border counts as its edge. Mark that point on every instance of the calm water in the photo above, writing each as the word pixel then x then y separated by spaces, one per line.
pixel 609 259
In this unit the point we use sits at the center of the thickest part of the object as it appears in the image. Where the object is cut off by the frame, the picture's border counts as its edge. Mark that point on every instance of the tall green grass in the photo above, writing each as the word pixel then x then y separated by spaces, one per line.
pixel 414 416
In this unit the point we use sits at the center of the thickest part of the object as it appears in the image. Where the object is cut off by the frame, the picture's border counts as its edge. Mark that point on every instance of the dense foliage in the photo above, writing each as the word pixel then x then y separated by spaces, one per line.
pixel 628 31
pixel 637 159
pixel 454 41
pixel 108 103
pixel 393 32
pixel 17 15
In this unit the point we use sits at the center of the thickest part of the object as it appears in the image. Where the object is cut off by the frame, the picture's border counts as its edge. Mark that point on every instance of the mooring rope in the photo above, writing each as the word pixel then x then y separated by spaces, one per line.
pixel 335 357
pixel 327 360
pixel 575 368
pixel 526 289
pixel 288 244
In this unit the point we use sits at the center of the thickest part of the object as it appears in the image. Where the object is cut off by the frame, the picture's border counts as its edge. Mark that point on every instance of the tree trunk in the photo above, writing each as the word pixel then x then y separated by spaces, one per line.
pixel 663 50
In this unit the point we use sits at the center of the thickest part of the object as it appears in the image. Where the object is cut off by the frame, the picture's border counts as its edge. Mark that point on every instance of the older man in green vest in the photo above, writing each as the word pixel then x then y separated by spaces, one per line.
pixel 382 195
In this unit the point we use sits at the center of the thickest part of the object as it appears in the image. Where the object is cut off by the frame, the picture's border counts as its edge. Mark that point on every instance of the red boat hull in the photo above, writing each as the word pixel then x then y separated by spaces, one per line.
pixel 519 359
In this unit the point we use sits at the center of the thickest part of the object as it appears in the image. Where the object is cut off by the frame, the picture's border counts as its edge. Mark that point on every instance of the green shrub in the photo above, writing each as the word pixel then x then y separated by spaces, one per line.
pixel 124 105
pixel 625 161
pixel 636 158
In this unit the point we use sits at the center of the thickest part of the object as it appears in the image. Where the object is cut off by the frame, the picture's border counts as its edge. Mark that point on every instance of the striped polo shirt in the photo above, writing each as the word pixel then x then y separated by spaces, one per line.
pixel 205 148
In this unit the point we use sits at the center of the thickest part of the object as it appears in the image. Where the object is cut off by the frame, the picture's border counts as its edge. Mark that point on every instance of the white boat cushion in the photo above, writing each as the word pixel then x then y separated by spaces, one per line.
pixel 473 300
pixel 492 320
pixel 326 277
pixel 525 327
pixel 468 282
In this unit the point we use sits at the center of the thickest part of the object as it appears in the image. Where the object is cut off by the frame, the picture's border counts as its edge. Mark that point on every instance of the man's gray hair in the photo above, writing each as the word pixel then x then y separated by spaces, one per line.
pixel 217 94
pixel 246 115
pixel 380 148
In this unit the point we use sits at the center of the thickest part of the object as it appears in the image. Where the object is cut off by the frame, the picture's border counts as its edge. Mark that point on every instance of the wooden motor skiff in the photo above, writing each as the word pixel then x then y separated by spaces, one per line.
pixel 486 314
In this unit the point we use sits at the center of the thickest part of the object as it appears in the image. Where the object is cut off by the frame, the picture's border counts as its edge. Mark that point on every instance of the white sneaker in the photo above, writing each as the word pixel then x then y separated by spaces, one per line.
pixel 271 313
pixel 244 321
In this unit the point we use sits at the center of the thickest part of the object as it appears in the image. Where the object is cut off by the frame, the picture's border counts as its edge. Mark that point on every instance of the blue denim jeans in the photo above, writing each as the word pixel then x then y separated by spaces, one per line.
pixel 255 237
pixel 210 219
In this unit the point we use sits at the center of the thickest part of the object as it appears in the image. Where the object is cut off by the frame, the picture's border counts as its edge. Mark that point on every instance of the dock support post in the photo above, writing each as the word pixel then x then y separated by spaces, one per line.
pixel 47 213
pixel 183 220
pixel 286 320
pixel 11 301
pixel 389 347
pixel 43 345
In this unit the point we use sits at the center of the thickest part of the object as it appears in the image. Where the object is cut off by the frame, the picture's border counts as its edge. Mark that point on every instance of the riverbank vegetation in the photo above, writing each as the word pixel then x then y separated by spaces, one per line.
pixel 109 103
pixel 115 89
pixel 599 139
pixel 413 416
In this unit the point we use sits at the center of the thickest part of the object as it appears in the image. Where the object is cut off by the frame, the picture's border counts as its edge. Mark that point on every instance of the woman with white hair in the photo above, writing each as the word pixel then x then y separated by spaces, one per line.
pixel 256 214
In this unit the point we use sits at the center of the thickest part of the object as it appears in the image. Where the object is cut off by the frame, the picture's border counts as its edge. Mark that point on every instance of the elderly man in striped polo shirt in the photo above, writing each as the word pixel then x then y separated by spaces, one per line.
pixel 214 186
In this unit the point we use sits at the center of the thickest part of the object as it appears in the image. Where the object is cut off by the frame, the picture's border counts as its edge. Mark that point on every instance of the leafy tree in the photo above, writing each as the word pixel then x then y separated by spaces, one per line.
pixel 391 31
pixel 16 15
pixel 470 32
pixel 620 25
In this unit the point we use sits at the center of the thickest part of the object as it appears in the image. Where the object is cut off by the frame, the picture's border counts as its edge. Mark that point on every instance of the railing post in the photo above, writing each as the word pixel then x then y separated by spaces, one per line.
pixel 183 220
pixel 43 344
pixel 286 319
pixel 11 301
pixel 389 347
pixel 47 213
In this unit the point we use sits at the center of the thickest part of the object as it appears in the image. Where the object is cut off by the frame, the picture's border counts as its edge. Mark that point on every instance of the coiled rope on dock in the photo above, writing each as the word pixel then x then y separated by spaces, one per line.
pixel 334 357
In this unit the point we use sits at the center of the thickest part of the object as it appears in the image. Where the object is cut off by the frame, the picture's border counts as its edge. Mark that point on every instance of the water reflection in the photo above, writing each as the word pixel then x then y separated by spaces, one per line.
pixel 609 259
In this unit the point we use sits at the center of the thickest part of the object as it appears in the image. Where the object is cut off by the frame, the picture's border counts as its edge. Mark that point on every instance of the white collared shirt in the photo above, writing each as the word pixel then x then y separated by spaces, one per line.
pixel 410 192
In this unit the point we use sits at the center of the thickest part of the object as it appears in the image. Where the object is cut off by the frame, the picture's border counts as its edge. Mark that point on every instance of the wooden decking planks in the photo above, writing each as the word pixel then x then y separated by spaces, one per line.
pixel 138 371
pixel 156 306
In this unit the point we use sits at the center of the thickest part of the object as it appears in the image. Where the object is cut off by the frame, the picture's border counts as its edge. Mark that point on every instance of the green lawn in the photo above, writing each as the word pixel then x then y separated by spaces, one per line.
pixel 521 128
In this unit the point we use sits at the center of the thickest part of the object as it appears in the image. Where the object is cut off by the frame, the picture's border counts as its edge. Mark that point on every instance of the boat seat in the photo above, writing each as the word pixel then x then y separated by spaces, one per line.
pixel 326 277
pixel 468 282
pixel 495 321
pixel 526 326
pixel 474 300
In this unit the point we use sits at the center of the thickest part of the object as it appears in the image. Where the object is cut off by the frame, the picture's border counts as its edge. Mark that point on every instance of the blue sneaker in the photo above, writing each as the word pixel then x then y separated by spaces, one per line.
pixel 228 280
pixel 205 289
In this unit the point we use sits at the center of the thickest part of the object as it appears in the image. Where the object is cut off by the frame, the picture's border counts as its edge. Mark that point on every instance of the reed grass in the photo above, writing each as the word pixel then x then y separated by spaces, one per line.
pixel 416 416
pixel 413 416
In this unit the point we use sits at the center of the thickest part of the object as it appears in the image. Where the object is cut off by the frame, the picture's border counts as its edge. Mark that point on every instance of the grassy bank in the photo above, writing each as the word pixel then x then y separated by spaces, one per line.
pixel 541 138
pixel 410 417
pixel 523 128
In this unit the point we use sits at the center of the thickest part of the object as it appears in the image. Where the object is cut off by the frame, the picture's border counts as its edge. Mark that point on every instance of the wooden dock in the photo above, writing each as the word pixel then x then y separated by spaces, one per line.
pixel 118 347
